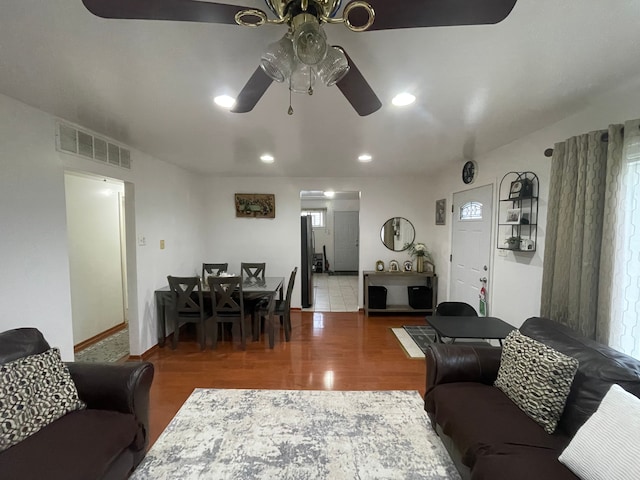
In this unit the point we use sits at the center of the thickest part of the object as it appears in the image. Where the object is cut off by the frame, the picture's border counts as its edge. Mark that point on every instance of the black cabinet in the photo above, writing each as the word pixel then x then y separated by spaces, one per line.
pixel 518 212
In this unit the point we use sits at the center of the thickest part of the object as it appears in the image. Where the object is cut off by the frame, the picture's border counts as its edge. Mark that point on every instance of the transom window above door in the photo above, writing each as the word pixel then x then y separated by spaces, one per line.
pixel 471 211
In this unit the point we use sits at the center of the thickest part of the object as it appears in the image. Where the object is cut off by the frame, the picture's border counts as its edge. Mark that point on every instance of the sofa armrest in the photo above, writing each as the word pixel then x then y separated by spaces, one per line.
pixel 123 387
pixel 449 363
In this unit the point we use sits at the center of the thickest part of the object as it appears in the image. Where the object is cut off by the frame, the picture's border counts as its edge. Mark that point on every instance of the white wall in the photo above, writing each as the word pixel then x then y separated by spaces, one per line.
pixel 277 241
pixel 95 266
pixel 33 242
pixel 516 278
pixel 33 235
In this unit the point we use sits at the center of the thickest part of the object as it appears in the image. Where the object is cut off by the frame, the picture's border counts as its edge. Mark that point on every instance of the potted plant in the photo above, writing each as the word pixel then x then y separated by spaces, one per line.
pixel 419 250
pixel 513 243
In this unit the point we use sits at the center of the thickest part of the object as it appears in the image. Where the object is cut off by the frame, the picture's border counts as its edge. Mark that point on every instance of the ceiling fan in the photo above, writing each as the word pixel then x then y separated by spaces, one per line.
pixel 303 55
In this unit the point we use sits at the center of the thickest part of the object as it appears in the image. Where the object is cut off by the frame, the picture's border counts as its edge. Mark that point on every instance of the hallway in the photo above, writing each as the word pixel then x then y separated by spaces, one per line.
pixel 334 293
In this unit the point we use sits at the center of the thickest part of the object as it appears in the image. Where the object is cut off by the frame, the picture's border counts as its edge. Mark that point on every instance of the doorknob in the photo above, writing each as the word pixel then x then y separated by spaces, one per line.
pixel 483 279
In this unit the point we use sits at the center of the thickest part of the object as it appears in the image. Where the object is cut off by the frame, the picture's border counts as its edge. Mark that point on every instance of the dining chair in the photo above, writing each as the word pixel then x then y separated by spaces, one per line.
pixel 227 304
pixel 458 309
pixel 213 269
pixel 281 308
pixel 252 270
pixel 455 309
pixel 186 306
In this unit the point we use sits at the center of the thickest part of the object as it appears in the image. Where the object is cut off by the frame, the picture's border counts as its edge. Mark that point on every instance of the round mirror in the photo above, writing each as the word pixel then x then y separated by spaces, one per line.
pixel 397 234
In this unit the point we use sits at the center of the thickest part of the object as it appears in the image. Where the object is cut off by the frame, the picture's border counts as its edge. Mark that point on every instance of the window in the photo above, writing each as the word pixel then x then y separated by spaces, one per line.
pixel 625 301
pixel 471 211
pixel 318 216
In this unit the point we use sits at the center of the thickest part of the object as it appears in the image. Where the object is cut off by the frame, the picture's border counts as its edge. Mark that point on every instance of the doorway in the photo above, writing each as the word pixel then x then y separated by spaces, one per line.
pixel 471 244
pixel 336 221
pixel 97 266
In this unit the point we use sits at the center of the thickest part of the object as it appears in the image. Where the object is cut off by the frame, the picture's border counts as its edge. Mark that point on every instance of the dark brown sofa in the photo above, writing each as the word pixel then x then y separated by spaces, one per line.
pixel 486 434
pixel 105 441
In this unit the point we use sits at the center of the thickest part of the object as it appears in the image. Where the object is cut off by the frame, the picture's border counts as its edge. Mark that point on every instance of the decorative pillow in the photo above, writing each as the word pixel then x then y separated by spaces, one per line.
pixel 535 377
pixel 608 444
pixel 34 391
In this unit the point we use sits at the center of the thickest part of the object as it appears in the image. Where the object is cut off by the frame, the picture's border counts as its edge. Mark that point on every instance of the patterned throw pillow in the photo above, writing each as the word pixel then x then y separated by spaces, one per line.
pixel 34 391
pixel 536 378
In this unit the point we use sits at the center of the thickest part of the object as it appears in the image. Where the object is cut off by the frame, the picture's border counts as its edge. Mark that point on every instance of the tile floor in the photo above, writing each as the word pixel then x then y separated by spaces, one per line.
pixel 334 293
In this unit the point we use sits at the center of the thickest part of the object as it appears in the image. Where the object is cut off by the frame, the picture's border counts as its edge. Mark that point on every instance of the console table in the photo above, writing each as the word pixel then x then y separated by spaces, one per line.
pixel 402 279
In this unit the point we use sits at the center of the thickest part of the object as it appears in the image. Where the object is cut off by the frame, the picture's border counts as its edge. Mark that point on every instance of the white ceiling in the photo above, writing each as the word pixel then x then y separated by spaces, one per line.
pixel 149 84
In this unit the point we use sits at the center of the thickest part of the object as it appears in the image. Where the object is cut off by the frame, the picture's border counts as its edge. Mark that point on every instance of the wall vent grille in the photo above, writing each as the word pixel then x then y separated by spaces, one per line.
pixel 71 140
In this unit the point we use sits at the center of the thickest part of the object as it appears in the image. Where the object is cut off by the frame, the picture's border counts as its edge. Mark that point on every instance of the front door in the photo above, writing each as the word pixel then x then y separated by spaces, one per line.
pixel 471 244
pixel 345 241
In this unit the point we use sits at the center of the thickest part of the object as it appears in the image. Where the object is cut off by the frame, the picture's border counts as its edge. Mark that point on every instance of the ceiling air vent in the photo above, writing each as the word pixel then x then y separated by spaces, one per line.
pixel 72 140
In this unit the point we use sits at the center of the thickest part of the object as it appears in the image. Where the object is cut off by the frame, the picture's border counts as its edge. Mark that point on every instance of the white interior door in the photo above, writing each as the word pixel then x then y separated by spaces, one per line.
pixel 471 244
pixel 346 236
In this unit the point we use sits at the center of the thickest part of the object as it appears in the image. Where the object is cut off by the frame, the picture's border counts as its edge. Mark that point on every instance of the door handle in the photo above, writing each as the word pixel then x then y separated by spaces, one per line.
pixel 483 279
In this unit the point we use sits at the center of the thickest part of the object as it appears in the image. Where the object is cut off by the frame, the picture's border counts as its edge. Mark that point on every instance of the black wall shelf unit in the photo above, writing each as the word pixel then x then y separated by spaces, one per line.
pixel 518 212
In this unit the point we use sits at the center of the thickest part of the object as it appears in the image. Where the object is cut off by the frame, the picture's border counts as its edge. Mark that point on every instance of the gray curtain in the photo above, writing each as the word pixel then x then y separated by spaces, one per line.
pixel 581 224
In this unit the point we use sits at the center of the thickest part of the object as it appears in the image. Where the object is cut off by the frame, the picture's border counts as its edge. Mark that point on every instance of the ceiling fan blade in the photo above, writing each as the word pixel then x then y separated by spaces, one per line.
pixel 180 10
pixel 357 91
pixel 252 92
pixel 391 14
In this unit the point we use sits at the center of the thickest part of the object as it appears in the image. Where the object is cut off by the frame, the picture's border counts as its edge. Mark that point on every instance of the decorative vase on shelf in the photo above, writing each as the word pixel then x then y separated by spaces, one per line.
pixel 420 264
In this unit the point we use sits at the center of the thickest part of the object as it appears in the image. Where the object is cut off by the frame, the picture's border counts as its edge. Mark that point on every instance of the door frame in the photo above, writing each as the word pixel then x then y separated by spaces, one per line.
pixel 492 251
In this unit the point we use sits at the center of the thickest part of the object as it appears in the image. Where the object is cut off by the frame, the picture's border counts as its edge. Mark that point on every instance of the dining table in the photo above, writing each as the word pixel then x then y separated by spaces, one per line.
pixel 268 287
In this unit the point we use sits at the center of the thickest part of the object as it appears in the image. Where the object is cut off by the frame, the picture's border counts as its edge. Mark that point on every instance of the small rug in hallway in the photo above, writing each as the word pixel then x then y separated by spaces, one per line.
pixel 415 339
pixel 111 349
pixel 298 435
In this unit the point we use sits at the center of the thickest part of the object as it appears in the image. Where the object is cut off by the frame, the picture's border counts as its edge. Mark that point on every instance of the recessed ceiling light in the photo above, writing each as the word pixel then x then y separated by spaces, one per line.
pixel 329 194
pixel 225 101
pixel 266 158
pixel 403 99
pixel 364 158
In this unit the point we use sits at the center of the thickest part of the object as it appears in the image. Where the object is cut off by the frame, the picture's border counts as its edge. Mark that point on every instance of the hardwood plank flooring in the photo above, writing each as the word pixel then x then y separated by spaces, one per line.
pixel 327 351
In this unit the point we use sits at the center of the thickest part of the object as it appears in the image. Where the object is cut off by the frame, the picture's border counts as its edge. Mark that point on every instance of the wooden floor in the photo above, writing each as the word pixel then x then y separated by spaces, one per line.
pixel 327 351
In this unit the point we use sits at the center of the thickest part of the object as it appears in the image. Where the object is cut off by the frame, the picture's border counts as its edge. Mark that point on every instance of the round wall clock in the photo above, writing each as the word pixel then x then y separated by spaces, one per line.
pixel 469 171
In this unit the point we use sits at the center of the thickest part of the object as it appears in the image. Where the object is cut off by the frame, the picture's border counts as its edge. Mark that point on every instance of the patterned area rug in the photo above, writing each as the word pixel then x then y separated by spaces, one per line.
pixel 298 435
pixel 110 349
pixel 415 339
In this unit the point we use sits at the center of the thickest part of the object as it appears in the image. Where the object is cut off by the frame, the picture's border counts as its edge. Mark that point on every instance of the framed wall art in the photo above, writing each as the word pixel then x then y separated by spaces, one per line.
pixel 441 211
pixel 255 205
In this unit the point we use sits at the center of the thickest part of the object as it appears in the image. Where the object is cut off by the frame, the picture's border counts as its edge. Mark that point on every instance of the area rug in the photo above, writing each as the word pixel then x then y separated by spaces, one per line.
pixel 111 349
pixel 415 339
pixel 298 435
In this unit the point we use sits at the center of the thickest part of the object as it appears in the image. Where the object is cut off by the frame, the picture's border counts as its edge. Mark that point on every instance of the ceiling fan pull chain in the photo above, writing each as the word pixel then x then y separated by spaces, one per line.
pixel 290 111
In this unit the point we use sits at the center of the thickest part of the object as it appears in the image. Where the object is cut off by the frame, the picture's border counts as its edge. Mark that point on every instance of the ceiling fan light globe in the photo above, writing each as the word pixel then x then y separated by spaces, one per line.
pixel 302 78
pixel 334 67
pixel 310 43
pixel 277 59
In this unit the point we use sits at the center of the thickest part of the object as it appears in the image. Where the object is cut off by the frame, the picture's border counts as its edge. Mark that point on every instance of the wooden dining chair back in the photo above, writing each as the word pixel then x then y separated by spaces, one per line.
pixel 186 306
pixel 281 308
pixel 252 270
pixel 214 269
pixel 227 304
